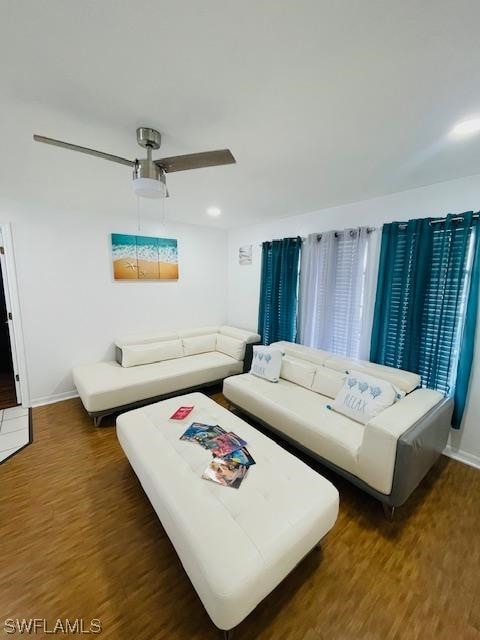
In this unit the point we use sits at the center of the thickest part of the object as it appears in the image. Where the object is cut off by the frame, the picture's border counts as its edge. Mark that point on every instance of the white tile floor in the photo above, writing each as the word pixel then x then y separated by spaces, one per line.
pixel 14 432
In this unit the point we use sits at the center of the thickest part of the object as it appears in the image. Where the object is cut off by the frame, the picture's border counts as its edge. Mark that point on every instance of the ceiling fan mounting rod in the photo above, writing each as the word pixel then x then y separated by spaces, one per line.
pixel 148 137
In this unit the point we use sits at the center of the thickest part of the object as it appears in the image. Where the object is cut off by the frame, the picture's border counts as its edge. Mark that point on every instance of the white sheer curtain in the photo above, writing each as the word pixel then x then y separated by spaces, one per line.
pixel 337 291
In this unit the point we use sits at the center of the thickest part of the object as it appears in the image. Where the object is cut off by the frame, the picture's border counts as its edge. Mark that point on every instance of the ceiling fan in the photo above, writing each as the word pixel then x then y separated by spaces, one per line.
pixel 149 176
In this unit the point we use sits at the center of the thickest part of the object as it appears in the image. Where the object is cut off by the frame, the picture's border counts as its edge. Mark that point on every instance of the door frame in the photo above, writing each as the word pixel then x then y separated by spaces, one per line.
pixel 12 300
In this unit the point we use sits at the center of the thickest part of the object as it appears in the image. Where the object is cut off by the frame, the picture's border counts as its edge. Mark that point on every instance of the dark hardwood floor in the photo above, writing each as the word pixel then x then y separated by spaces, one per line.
pixel 79 539
pixel 8 396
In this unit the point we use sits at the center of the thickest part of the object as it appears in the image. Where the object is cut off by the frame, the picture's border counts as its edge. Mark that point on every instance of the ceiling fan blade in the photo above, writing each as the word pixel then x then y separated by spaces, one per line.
pixel 90 152
pixel 196 160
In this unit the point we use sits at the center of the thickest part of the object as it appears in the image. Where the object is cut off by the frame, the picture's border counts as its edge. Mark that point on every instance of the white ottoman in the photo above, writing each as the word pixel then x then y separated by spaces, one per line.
pixel 236 545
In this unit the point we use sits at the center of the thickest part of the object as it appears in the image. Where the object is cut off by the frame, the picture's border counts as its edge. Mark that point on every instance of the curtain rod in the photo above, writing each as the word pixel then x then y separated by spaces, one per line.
pixel 319 235
pixel 260 244
pixel 460 218
pixel 352 231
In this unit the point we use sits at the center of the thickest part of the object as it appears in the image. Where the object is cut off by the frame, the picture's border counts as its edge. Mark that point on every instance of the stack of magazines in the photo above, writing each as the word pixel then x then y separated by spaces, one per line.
pixel 231 459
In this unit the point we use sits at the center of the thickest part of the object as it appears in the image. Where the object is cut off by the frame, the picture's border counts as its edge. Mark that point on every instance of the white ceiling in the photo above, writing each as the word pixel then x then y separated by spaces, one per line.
pixel 322 102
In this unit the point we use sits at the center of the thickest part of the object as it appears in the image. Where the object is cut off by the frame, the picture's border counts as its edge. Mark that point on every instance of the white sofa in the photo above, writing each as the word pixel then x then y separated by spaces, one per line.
pixel 155 365
pixel 387 457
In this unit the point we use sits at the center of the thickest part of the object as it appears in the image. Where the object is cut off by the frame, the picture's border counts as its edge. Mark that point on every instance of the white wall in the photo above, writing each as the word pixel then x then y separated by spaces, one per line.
pixel 435 200
pixel 72 308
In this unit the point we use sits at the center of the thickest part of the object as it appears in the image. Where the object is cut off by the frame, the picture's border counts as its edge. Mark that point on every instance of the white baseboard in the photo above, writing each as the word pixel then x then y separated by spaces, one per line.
pixel 462 456
pixel 57 397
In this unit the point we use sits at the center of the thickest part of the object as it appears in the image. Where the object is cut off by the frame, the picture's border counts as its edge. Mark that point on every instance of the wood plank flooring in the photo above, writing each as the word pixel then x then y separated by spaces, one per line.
pixel 8 395
pixel 78 538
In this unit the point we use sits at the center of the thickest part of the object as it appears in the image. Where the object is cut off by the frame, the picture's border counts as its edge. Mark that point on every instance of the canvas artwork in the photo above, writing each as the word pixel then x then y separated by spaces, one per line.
pixel 144 258
pixel 245 254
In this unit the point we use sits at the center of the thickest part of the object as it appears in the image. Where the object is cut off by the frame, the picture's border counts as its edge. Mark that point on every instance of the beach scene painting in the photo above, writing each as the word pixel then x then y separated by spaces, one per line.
pixel 144 258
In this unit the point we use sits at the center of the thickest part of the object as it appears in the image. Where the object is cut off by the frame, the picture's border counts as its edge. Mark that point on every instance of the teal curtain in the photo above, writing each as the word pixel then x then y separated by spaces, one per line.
pixel 277 316
pixel 427 299
pixel 467 341
pixel 400 291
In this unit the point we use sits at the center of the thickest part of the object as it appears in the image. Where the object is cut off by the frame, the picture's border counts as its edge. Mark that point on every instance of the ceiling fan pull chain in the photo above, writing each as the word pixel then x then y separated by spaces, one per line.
pixel 164 209
pixel 138 214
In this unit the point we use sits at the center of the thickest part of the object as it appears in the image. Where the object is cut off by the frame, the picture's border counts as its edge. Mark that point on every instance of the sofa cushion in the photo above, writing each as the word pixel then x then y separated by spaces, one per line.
pixel 363 397
pixel 239 334
pixel 327 381
pixel 106 385
pixel 299 414
pixel 266 363
pixel 199 344
pixel 299 351
pixel 230 346
pixel 202 331
pixel 138 354
pixel 297 371
pixel 145 337
pixel 404 380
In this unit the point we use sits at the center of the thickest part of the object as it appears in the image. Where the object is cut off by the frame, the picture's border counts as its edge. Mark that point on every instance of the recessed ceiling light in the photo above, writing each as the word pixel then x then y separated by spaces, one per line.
pixel 214 211
pixel 466 127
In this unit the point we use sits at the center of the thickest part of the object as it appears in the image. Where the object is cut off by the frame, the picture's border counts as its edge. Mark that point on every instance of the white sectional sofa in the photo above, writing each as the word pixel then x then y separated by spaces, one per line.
pixel 156 365
pixel 386 457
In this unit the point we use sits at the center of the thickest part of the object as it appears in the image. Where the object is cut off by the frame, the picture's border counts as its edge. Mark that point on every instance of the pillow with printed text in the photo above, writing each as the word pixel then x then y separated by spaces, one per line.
pixel 266 363
pixel 362 397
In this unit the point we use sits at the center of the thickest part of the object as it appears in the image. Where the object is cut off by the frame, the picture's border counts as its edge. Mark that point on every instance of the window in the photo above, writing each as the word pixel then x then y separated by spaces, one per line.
pixel 444 310
pixel 336 291
pixel 426 302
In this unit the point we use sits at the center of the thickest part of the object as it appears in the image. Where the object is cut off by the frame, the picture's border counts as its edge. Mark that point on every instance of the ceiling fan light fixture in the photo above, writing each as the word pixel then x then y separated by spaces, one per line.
pixel 148 188
pixel 148 179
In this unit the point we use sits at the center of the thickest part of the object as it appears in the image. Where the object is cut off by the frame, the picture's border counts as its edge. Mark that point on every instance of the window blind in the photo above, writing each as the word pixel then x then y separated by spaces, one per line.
pixel 333 291
pixel 444 306
pixel 347 296
pixel 421 298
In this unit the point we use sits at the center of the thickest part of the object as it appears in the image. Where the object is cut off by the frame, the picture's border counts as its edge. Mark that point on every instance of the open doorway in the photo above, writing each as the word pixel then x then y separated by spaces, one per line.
pixel 15 416
pixel 13 381
pixel 8 393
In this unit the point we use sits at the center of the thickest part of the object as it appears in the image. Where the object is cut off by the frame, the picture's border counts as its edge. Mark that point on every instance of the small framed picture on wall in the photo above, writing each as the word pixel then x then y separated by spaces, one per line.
pixel 245 254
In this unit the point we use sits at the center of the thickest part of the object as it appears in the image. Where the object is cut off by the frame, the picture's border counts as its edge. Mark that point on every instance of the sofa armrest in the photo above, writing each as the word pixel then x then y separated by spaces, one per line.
pixel 249 337
pixel 378 452
pixel 247 361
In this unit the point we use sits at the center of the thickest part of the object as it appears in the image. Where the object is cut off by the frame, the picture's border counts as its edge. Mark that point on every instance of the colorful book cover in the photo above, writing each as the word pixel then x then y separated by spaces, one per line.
pixel 224 444
pixel 228 473
pixel 242 456
pixel 202 437
pixel 181 413
pixel 193 429
pixel 198 432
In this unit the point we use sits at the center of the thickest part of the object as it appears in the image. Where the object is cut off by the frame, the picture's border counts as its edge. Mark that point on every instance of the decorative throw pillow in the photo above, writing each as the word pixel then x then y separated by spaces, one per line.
pixel 362 397
pixel 266 363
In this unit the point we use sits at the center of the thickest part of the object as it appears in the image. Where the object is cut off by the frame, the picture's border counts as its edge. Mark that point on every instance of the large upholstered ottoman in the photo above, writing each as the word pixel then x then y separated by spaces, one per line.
pixel 236 545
